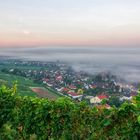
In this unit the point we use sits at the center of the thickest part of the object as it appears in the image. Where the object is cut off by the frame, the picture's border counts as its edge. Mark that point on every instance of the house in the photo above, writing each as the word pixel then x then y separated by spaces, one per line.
pixel 59 89
pixel 125 98
pixel 45 81
pixel 59 78
pixel 88 97
pixel 72 87
pixel 80 91
pixel 101 97
pixel 97 99
pixel 65 89
pixel 86 86
pixel 74 95
pixel 11 70
pixel 50 85
pixel 92 86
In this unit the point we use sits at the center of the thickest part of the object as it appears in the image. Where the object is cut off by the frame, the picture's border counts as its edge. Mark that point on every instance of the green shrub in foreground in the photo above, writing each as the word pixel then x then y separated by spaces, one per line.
pixel 34 118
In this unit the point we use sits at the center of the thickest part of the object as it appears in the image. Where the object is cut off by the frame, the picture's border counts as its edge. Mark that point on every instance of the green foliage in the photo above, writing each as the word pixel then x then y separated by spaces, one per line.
pixel 32 118
pixel 104 101
pixel 139 119
pixel 114 101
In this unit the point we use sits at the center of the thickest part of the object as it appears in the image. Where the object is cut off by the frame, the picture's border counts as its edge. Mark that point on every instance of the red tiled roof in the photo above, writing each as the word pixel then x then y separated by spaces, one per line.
pixel 73 94
pixel 102 97
pixel 94 86
pixel 65 89
pixel 72 87
pixel 59 78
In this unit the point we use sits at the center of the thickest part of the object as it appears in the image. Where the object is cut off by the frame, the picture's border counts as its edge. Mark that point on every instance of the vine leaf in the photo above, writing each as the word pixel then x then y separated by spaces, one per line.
pixel 139 119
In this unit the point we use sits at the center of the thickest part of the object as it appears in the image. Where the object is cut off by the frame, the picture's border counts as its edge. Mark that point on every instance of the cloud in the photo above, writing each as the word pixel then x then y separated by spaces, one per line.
pixel 26 32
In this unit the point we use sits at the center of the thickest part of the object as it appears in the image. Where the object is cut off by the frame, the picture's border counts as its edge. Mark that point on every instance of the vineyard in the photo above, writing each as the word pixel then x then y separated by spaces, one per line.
pixel 32 118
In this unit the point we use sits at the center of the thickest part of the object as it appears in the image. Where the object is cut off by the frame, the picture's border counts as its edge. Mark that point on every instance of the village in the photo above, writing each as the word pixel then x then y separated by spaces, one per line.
pixel 77 85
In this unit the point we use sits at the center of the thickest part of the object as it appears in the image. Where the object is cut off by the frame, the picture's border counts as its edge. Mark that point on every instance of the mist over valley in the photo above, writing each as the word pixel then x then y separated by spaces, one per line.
pixel 123 62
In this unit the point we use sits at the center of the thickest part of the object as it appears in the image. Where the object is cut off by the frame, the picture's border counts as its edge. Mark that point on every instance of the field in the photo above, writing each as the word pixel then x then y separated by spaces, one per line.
pixel 43 92
pixel 23 83
pixel 12 66
pixel 24 86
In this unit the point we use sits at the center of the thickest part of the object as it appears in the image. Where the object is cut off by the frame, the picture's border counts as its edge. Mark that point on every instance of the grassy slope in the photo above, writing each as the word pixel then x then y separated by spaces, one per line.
pixel 19 67
pixel 23 83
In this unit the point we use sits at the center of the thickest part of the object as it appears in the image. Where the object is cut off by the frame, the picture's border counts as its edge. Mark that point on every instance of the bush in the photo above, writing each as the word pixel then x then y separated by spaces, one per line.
pixel 34 118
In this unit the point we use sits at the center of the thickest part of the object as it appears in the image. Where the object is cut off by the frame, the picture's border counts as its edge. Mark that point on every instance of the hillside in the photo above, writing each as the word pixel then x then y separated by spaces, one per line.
pixel 23 118
pixel 25 86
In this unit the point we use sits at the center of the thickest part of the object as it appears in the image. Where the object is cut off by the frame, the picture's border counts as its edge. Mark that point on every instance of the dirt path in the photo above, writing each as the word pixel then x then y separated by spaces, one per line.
pixel 42 92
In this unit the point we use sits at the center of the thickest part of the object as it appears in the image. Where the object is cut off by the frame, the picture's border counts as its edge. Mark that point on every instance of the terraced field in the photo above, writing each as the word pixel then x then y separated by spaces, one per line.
pixel 43 92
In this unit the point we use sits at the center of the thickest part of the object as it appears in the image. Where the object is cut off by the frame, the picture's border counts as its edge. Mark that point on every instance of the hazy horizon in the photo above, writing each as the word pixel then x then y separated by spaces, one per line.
pixel 124 62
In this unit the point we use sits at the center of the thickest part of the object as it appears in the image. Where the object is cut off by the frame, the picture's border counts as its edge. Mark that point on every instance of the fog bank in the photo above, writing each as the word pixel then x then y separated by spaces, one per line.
pixel 124 62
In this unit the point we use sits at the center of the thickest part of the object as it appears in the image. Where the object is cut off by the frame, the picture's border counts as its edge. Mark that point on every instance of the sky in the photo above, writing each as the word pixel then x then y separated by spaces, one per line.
pixel 69 22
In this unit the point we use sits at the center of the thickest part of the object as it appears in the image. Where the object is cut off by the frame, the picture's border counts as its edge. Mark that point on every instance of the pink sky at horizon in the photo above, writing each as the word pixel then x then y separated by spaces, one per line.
pixel 92 22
